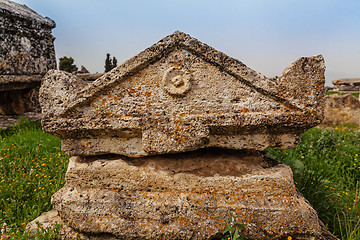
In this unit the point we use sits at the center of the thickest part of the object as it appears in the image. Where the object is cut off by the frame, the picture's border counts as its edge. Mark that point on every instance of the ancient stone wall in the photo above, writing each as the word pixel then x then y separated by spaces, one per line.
pixel 26 54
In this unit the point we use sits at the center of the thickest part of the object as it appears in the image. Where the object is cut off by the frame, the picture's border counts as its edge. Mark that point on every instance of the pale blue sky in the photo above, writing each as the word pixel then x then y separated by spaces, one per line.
pixel 265 35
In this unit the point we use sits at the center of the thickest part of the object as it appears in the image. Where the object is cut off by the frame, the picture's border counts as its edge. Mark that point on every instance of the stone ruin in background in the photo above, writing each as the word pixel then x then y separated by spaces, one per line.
pixel 343 109
pixel 26 54
pixel 84 74
pixel 169 144
pixel 347 85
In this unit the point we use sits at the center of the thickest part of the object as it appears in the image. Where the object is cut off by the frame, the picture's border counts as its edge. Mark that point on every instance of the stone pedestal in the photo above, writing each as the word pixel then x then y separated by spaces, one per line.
pixel 185 196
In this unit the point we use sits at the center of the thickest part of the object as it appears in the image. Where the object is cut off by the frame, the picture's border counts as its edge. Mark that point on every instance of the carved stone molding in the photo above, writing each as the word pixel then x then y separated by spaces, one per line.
pixel 177 82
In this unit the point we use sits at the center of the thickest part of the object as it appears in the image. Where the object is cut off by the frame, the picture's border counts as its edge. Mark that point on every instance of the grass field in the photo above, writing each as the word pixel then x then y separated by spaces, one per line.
pixel 32 169
pixel 326 166
pixel 355 94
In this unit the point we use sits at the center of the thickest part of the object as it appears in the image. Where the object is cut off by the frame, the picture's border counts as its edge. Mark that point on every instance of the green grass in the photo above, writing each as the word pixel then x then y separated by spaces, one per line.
pixel 326 166
pixel 356 94
pixel 32 169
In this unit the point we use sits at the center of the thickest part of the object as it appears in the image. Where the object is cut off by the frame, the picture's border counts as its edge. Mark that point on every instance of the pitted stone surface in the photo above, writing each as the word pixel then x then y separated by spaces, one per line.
pixel 27 46
pixel 26 54
pixel 185 196
pixel 181 95
pixel 341 110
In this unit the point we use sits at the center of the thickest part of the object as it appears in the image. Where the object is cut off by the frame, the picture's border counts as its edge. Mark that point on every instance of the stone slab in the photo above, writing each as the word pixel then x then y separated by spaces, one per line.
pixel 185 196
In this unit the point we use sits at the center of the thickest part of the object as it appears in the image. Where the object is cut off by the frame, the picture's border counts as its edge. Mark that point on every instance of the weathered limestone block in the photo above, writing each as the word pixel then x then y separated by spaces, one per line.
pixel 181 95
pixel 51 219
pixel 27 45
pixel 26 53
pixel 342 110
pixel 185 196
pixel 347 84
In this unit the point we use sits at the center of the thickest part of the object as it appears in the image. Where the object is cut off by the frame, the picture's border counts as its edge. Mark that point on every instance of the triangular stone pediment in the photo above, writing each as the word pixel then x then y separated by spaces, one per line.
pixel 180 95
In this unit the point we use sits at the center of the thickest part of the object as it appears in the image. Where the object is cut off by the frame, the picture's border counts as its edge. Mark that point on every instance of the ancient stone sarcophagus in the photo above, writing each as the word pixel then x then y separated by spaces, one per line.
pixel 180 95
pixel 26 53
pixel 166 146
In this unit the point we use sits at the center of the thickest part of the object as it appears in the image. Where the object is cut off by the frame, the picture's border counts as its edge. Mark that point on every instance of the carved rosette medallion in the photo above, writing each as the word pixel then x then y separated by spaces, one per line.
pixel 177 82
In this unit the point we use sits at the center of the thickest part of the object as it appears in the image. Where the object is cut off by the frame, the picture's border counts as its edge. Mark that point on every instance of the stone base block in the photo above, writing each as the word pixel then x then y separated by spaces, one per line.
pixel 185 196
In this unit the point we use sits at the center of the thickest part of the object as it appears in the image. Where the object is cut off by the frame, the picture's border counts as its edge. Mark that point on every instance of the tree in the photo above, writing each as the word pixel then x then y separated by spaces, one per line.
pixel 67 64
pixel 110 63
pixel 114 62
